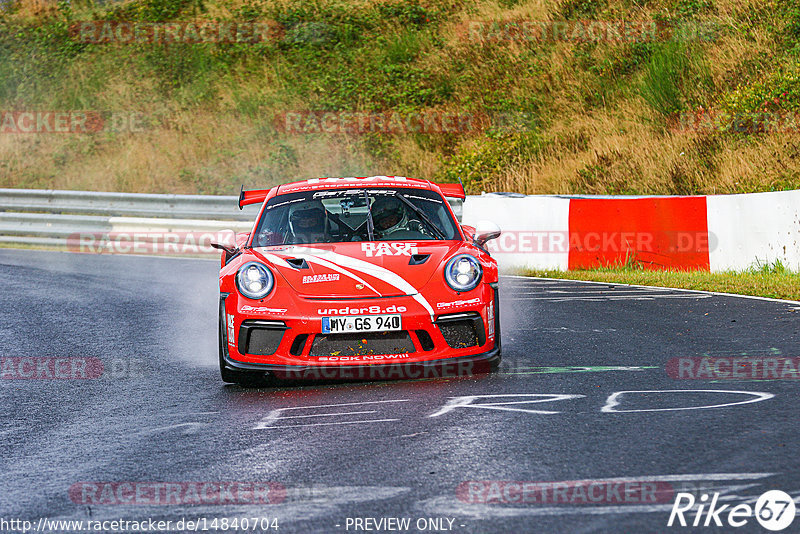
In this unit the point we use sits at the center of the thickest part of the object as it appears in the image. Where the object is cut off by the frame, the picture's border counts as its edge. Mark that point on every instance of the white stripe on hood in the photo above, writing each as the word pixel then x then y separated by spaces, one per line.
pixel 331 265
pixel 368 268
pixel 277 260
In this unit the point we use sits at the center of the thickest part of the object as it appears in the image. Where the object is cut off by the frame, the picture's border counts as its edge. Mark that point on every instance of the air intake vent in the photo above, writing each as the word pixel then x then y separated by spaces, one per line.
pixel 462 330
pixel 418 259
pixel 297 263
pixel 364 344
pixel 425 340
pixel 260 337
pixel 298 344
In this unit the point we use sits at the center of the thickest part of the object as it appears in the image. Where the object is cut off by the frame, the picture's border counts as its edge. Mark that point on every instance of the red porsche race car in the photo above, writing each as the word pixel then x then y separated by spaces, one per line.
pixel 357 277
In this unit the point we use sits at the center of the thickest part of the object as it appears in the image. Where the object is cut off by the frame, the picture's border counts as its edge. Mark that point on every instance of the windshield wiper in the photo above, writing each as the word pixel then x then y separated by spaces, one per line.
pixel 370 224
pixel 422 216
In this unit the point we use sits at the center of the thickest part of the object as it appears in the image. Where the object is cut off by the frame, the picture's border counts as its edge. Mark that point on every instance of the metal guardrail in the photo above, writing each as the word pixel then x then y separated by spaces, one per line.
pixel 51 218
pixel 124 204
pixel 35 217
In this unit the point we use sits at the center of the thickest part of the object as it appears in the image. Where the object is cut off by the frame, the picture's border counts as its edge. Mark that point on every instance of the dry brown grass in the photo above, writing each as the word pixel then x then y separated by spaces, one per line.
pixel 625 154
pixel 199 152
pixel 626 148
pixel 616 147
pixel 35 9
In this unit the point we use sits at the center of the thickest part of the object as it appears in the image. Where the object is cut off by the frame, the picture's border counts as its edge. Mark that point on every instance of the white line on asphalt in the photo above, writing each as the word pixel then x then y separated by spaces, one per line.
pixel 602 293
pixel 599 298
pixel 696 476
pixel 344 404
pixel 324 414
pixel 183 414
pixel 613 400
pixel 713 293
pixel 335 423
pixel 551 287
pixel 571 369
pixel 278 413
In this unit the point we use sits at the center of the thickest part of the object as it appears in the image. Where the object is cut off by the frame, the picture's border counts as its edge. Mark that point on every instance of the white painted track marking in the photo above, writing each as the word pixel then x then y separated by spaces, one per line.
pixel 531 279
pixel 595 291
pixel 278 414
pixel 336 423
pixel 467 402
pixel 614 297
pixel 560 293
pixel 536 289
pixel 326 414
pixel 192 425
pixel 612 402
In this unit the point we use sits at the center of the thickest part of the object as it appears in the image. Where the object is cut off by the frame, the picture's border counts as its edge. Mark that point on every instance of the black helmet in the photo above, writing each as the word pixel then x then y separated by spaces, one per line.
pixel 307 218
pixel 387 213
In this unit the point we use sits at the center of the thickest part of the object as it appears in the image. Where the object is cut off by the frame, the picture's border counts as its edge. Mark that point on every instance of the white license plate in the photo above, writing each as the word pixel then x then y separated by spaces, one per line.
pixel 361 323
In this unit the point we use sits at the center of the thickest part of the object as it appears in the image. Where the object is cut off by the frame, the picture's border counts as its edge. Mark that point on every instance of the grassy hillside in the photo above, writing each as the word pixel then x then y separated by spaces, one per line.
pixel 595 117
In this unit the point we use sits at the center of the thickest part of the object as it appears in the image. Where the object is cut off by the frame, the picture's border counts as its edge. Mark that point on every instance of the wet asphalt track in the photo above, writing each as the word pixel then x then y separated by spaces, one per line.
pixel 161 414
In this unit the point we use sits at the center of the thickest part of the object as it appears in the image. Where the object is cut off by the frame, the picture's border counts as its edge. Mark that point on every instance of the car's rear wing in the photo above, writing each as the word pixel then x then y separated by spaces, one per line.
pixel 252 197
pixel 455 195
pixel 453 190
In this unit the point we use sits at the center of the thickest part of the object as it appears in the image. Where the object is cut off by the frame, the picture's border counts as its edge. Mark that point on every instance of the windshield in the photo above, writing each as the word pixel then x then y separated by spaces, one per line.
pixel 341 215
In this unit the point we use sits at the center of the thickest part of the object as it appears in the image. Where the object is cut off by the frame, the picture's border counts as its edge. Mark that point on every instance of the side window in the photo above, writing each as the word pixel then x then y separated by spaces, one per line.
pixel 273 228
pixel 440 216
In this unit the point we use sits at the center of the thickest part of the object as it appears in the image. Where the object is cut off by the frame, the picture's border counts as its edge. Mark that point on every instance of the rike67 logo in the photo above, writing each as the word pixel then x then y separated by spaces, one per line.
pixel 774 510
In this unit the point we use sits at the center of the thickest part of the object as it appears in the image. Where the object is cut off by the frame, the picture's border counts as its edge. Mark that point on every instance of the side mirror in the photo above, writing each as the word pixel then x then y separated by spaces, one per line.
pixel 227 249
pixel 486 231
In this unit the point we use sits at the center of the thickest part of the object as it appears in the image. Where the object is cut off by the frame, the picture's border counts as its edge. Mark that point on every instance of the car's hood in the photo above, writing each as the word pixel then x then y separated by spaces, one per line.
pixel 359 269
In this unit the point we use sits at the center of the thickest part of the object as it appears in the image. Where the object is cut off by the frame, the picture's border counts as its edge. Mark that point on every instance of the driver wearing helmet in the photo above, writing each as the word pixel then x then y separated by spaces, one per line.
pixel 308 223
pixel 388 215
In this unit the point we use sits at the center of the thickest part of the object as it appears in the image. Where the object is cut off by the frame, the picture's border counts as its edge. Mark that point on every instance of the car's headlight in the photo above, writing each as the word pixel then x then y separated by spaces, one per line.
pixel 463 272
pixel 254 280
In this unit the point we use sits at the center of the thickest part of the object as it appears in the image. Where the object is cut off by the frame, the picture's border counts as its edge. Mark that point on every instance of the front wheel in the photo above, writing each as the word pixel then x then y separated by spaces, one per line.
pixel 495 365
pixel 233 376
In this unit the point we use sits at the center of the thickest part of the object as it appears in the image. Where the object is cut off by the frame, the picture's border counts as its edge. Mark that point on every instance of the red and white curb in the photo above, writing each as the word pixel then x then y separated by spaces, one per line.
pixel 716 233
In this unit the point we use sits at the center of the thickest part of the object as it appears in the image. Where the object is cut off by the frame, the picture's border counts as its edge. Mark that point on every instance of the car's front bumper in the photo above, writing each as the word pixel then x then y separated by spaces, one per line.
pixel 436 357
pixel 439 368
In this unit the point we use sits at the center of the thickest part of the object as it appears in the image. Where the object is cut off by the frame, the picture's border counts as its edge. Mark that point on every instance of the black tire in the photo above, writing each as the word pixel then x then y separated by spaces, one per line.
pixel 495 364
pixel 232 376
